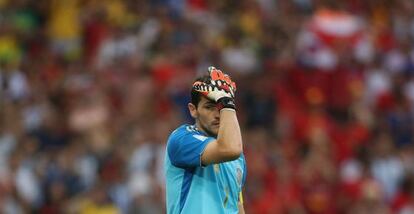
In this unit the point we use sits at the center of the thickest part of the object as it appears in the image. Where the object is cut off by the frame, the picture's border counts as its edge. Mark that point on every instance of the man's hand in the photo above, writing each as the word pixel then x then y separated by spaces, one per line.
pixel 220 89
pixel 221 79
pixel 212 92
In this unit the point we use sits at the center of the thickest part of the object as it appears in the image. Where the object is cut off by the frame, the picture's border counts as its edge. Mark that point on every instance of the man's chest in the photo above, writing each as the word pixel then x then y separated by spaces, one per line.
pixel 230 174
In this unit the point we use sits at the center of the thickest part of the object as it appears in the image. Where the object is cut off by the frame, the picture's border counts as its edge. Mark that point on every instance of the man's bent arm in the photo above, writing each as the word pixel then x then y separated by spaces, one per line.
pixel 228 145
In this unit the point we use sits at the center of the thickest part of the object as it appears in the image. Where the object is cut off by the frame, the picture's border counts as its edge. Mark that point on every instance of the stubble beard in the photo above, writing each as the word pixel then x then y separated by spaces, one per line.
pixel 208 131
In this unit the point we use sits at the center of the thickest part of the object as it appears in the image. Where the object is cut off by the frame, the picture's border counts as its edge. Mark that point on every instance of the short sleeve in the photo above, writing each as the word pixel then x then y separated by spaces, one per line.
pixel 185 150
pixel 244 171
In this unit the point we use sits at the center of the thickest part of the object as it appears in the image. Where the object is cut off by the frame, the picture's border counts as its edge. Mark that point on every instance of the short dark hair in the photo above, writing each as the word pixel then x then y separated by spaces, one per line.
pixel 195 95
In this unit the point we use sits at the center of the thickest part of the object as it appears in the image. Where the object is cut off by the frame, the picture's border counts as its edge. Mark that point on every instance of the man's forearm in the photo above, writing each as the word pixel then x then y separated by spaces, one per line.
pixel 229 135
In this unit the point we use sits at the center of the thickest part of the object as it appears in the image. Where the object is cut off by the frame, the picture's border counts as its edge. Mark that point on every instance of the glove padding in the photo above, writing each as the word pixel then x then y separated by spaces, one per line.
pixel 220 78
pixel 220 89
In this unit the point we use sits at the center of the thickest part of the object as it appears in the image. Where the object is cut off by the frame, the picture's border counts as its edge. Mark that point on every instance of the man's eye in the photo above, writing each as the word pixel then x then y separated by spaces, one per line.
pixel 210 106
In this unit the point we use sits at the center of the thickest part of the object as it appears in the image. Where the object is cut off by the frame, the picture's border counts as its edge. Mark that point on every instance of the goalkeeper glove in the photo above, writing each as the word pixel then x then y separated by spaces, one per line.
pixel 222 80
pixel 220 89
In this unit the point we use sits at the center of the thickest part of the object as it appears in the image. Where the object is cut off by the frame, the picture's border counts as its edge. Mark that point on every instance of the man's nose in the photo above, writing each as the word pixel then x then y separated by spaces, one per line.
pixel 216 114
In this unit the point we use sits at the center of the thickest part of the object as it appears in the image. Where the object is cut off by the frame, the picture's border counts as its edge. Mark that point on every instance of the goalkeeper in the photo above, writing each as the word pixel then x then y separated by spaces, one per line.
pixel 205 167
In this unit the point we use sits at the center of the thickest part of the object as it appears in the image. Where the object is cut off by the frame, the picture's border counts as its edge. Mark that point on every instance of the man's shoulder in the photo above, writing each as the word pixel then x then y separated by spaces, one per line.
pixel 185 146
pixel 186 132
pixel 180 132
pixel 183 129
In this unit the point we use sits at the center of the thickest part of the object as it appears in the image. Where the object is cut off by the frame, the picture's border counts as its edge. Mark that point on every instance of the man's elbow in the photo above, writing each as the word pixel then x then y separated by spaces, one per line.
pixel 232 153
pixel 236 154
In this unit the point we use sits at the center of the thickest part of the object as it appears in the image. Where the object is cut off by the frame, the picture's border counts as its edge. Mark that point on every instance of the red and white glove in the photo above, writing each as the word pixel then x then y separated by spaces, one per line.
pixel 220 89
pixel 222 80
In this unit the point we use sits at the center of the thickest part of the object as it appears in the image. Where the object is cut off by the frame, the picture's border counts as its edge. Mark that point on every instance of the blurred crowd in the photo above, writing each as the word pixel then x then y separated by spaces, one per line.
pixel 91 89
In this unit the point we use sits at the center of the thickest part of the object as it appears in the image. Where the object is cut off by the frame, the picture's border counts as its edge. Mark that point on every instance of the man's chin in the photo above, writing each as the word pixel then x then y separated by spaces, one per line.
pixel 213 131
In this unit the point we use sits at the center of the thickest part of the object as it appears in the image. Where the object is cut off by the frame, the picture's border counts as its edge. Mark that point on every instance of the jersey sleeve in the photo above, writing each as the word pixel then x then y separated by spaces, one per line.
pixel 244 172
pixel 185 150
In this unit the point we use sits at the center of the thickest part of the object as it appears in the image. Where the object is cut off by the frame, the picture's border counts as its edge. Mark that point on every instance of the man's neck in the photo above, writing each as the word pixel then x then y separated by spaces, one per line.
pixel 204 131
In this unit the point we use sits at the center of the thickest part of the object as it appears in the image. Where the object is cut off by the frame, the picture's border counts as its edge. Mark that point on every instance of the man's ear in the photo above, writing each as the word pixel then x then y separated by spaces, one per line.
pixel 193 110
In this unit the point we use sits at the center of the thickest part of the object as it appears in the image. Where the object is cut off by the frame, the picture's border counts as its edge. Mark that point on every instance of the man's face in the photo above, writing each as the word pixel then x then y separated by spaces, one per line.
pixel 206 115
